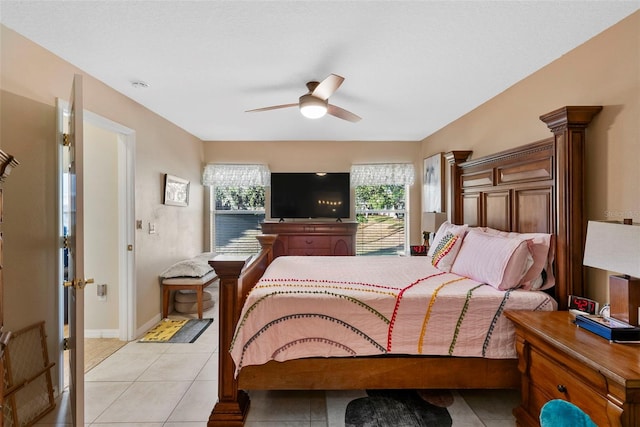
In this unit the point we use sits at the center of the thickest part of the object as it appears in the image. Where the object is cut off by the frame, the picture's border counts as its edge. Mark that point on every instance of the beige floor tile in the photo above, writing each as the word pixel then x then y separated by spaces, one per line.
pixel 278 424
pixel 136 347
pixel 127 425
pixel 61 415
pixel 122 367
pixel 281 406
pixel 493 406
pixel 209 371
pixel 100 395
pixel 175 367
pixel 197 403
pixel 145 402
pixel 184 424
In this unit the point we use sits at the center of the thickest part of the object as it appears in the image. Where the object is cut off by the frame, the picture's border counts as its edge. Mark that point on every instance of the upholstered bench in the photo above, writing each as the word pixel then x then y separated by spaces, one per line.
pixel 193 274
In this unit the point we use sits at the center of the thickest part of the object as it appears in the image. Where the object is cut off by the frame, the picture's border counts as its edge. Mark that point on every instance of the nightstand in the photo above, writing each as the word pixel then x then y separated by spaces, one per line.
pixel 558 360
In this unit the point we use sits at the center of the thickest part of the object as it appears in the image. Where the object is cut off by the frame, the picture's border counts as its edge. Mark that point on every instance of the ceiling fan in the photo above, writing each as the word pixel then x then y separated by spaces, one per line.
pixel 315 103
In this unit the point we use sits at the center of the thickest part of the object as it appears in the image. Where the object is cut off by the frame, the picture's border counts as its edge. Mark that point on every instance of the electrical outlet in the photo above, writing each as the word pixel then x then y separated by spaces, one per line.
pixel 139 224
pixel 101 290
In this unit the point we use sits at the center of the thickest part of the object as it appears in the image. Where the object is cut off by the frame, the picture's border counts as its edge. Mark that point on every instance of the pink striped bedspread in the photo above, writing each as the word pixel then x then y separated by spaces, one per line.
pixel 374 305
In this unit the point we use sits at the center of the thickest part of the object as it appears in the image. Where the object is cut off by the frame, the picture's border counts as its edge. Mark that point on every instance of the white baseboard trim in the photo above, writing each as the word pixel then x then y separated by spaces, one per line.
pixel 102 333
pixel 150 324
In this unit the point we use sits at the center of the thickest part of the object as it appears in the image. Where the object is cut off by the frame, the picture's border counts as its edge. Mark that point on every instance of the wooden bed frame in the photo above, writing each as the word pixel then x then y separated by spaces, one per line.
pixel 534 188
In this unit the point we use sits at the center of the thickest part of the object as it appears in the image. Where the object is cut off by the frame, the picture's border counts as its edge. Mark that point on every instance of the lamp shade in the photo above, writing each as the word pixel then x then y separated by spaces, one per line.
pixel 431 221
pixel 613 246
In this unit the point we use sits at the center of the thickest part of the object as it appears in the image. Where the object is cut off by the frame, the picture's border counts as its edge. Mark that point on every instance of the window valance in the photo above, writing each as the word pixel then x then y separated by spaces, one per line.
pixel 383 174
pixel 236 175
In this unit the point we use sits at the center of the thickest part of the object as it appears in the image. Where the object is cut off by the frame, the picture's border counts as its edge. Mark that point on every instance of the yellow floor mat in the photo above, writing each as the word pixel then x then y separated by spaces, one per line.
pixel 164 330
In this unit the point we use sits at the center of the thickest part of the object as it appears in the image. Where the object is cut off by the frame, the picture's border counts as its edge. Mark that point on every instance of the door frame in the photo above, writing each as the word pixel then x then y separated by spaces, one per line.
pixel 126 256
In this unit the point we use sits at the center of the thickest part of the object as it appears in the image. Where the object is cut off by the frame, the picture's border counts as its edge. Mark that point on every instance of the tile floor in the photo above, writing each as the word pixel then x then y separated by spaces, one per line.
pixel 168 385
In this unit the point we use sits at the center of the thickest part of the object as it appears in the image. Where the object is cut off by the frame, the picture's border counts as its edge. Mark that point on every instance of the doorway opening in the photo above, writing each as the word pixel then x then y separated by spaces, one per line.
pixel 109 236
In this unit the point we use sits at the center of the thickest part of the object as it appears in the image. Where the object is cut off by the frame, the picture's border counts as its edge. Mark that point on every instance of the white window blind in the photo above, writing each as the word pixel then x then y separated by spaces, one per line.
pixel 223 175
pixel 383 174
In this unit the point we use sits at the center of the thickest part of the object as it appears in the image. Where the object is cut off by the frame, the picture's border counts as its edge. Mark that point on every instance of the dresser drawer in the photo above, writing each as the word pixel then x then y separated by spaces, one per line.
pixel 307 241
pixel 309 251
pixel 551 380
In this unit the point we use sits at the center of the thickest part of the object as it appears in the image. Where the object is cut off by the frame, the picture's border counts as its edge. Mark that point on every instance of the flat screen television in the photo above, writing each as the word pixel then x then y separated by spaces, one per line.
pixel 310 195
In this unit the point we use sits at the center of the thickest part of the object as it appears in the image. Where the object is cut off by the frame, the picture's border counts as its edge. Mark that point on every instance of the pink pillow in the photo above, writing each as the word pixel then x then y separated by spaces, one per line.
pixel 543 251
pixel 492 259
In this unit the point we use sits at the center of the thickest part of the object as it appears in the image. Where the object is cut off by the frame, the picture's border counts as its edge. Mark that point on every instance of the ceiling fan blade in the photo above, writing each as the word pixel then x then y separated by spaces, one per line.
pixel 328 86
pixel 341 113
pixel 274 107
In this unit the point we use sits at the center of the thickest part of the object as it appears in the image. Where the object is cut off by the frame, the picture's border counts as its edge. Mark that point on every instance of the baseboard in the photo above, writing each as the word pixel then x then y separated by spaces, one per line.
pixel 101 333
pixel 150 324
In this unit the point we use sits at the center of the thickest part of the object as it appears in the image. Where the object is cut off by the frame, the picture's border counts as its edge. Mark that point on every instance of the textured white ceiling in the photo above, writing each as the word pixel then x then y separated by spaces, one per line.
pixel 411 67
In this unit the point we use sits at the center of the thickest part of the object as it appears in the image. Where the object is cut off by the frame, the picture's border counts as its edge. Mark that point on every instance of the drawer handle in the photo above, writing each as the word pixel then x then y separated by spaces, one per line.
pixel 561 388
pixel 308 242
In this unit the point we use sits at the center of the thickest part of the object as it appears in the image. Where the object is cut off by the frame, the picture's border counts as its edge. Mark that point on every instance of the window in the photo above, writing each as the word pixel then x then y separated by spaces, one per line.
pixel 381 207
pixel 235 219
pixel 237 200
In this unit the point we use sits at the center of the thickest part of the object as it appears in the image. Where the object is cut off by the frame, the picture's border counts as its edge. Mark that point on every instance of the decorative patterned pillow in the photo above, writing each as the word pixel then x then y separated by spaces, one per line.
pixel 445 251
pixel 447 227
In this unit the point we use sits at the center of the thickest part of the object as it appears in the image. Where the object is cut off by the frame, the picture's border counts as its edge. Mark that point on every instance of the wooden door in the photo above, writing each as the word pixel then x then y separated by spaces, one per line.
pixel 72 170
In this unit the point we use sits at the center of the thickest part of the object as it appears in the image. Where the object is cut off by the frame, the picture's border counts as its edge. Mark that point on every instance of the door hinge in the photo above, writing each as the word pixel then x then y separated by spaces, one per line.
pixel 66 140
pixel 65 344
pixel 65 242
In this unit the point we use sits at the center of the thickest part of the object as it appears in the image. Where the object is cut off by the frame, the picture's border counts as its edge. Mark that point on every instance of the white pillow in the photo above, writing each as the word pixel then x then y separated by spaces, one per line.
pixel 492 259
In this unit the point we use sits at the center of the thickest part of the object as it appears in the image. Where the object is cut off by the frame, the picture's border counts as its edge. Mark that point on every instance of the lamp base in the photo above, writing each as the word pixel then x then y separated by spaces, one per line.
pixel 624 298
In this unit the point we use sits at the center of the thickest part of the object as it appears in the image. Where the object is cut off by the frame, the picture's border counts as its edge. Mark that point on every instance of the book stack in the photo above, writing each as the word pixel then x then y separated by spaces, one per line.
pixel 607 327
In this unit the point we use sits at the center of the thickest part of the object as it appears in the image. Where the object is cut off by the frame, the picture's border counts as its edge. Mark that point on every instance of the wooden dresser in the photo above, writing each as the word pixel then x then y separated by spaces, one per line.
pixel 312 238
pixel 559 360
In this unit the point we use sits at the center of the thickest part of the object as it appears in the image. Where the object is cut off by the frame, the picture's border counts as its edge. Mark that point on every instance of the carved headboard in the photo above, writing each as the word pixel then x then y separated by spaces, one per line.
pixel 538 187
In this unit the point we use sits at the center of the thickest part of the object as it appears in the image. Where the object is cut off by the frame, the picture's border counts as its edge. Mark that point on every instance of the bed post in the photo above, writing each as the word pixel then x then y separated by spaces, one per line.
pixel 232 406
pixel 455 158
pixel 568 125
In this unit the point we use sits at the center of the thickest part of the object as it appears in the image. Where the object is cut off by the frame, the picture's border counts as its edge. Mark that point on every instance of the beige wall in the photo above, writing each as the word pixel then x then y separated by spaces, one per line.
pixel 101 204
pixel 31 80
pixel 603 71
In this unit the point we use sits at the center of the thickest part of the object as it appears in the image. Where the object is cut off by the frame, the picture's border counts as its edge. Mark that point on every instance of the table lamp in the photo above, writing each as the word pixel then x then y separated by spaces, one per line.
pixel 615 246
pixel 431 221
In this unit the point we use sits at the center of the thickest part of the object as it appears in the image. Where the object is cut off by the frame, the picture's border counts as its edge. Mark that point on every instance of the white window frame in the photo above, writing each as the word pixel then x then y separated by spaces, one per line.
pixel 387 174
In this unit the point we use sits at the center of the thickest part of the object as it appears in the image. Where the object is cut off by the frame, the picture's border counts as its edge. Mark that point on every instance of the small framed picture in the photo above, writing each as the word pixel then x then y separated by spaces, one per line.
pixel 433 184
pixel 176 191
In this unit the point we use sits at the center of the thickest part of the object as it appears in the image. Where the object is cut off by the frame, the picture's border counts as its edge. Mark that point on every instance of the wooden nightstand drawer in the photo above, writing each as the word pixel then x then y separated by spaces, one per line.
pixel 554 381
pixel 309 242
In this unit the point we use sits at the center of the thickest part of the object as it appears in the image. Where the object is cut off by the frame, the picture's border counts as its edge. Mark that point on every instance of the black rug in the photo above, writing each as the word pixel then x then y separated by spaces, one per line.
pixel 399 408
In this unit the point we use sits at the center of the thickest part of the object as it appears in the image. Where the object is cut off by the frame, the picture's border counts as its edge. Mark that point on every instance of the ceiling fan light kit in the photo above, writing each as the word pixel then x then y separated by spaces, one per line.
pixel 312 107
pixel 315 103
